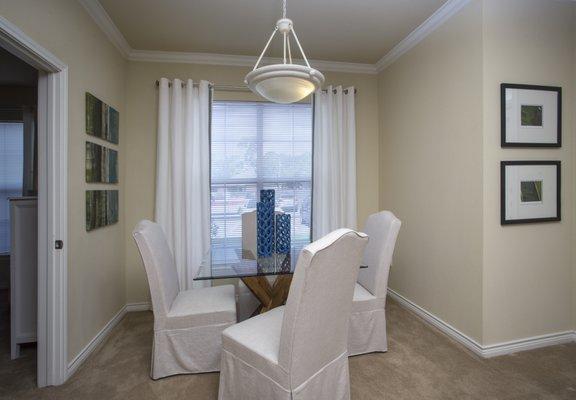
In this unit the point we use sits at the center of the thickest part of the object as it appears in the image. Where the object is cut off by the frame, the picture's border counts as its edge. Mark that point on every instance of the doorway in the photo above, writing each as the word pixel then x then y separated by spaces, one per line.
pixel 18 219
pixel 51 184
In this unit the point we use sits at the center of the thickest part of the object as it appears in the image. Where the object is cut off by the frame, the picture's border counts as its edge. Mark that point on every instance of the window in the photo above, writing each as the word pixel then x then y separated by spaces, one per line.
pixel 11 173
pixel 260 146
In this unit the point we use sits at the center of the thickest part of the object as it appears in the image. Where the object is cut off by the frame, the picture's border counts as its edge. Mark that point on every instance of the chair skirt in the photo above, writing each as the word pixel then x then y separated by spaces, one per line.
pixel 367 332
pixel 241 381
pixel 187 351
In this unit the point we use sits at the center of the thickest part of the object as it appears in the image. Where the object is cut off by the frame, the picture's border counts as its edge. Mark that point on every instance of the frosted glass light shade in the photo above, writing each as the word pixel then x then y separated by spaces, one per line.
pixel 284 83
pixel 284 89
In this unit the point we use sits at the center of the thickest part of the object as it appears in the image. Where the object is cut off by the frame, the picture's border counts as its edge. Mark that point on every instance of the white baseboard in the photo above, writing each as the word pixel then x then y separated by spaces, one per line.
pixel 104 332
pixel 94 343
pixel 433 320
pixel 531 343
pixel 487 351
pixel 134 307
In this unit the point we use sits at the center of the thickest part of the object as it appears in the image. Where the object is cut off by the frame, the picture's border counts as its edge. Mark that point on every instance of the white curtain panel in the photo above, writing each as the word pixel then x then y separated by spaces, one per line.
pixel 183 174
pixel 334 192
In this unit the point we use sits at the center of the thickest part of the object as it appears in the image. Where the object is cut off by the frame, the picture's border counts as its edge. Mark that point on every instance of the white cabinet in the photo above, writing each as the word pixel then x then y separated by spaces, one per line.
pixel 23 272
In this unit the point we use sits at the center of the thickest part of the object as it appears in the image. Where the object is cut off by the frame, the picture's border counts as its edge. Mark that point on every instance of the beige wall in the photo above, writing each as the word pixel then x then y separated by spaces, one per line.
pixel 527 268
pixel 431 170
pixel 494 283
pixel 95 263
pixel 141 146
pixel 573 110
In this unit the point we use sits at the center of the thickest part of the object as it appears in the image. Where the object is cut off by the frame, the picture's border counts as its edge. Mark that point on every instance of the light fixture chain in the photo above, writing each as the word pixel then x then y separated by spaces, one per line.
pixel 284 9
pixel 300 47
pixel 265 48
pixel 289 50
pixel 284 47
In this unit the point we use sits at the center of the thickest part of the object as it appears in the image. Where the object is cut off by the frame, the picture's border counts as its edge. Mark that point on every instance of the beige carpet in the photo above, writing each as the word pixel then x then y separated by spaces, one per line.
pixel 421 364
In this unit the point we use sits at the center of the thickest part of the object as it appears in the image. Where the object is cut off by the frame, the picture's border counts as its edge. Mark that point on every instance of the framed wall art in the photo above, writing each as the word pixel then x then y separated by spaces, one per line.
pixel 102 120
pixel 101 164
pixel 101 208
pixel 531 116
pixel 530 191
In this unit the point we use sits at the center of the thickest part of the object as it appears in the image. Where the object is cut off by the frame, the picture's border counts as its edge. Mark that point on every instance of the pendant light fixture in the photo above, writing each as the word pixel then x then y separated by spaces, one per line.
pixel 287 82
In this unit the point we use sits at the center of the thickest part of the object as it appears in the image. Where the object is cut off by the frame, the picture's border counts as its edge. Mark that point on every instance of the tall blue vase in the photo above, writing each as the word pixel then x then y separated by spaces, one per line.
pixel 265 224
pixel 282 236
pixel 268 196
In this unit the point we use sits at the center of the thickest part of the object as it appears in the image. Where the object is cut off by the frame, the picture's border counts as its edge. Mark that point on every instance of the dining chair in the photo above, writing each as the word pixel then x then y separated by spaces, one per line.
pixel 368 320
pixel 299 351
pixel 187 324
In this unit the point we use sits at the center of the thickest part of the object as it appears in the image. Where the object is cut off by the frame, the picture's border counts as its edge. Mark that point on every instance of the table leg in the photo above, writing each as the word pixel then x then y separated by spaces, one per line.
pixel 280 291
pixel 257 311
pixel 260 287
pixel 269 296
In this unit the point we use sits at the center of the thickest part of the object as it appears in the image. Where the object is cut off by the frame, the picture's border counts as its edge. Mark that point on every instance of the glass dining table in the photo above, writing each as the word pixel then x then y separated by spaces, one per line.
pixel 231 261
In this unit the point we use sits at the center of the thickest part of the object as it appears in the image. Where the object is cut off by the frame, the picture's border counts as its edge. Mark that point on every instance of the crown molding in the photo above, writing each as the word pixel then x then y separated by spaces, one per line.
pixel 441 15
pixel 241 61
pixel 341 66
pixel 190 58
pixel 103 20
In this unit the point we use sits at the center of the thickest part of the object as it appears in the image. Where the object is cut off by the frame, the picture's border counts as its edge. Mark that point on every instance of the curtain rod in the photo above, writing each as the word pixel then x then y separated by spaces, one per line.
pixel 231 88
pixel 228 88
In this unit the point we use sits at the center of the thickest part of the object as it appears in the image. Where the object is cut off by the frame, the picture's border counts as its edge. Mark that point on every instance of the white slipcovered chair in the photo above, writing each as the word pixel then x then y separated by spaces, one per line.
pixel 299 351
pixel 187 324
pixel 368 321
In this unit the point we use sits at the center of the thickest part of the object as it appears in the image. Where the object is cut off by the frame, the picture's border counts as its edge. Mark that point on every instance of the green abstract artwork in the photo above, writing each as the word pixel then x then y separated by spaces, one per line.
pixel 101 208
pixel 531 115
pixel 101 164
pixel 530 191
pixel 102 120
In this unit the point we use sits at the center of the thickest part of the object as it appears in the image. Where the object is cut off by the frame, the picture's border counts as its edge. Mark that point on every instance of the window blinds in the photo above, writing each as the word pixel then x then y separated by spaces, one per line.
pixel 259 146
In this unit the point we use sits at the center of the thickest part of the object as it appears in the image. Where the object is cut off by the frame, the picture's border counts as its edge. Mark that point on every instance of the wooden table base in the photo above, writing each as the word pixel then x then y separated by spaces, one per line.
pixel 270 296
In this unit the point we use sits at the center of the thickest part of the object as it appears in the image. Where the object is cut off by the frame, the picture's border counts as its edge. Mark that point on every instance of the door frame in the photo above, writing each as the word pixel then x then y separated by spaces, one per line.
pixel 52 201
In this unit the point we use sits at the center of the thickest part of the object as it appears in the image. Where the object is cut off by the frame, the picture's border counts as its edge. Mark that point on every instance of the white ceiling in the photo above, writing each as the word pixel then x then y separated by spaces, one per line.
pixel 359 31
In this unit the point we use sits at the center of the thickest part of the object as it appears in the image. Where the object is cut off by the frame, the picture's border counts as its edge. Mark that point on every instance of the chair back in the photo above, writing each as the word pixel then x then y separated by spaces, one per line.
pixel 159 264
pixel 317 313
pixel 382 228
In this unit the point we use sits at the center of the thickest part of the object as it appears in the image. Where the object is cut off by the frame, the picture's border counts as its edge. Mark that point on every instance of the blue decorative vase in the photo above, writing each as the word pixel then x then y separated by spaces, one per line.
pixel 265 224
pixel 286 263
pixel 268 196
pixel 282 233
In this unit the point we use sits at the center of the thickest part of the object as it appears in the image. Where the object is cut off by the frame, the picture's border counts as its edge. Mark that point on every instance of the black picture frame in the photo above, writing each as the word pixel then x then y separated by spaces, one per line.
pixel 558 217
pixel 503 140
